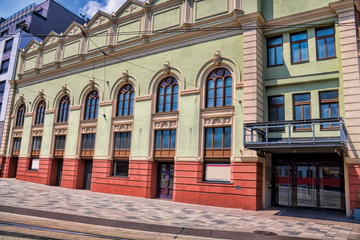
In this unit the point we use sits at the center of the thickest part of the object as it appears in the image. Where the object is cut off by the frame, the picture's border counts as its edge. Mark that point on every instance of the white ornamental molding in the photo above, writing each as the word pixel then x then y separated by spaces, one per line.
pixel 17 134
pixel 37 133
pixel 123 128
pixel 218 121
pixel 61 131
pixel 165 124
pixel 88 130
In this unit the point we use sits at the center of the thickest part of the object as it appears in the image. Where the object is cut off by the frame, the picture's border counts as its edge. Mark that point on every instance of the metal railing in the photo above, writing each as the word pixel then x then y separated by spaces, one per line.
pixel 303 132
pixel 19 15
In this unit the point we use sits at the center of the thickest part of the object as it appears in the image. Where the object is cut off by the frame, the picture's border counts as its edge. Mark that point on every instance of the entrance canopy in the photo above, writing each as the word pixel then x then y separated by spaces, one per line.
pixel 314 135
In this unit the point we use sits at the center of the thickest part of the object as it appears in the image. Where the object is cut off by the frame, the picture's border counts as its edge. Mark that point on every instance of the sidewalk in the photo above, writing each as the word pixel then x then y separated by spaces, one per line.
pixel 24 197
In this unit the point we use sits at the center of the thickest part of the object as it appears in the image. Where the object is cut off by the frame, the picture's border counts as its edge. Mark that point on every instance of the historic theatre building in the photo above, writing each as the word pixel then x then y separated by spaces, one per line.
pixel 232 103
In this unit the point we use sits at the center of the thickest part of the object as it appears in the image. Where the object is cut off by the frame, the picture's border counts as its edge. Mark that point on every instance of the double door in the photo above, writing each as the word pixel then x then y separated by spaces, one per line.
pixel 306 183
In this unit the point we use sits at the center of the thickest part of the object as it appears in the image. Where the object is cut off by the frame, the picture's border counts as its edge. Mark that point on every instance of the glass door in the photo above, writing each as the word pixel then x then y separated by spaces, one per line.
pixel 165 180
pixel 330 191
pixel 306 186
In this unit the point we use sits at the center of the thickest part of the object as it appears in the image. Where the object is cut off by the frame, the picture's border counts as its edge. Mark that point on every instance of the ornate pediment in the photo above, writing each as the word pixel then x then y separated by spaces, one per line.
pixel 75 29
pixel 99 19
pixel 128 8
pixel 51 38
pixel 32 46
pixel 217 121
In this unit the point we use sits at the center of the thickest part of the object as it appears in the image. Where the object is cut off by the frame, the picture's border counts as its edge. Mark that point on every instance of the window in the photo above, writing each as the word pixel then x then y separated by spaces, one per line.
pixel 122 144
pixel 329 107
pixel 20 24
pixel 59 147
pixel 87 144
pixel 299 47
pixel 40 113
pixel 2 88
pixel 4 66
pixel 165 143
pixel 219 88
pixel 276 111
pixel 325 43
pixel 125 101
pixel 16 146
pixel 91 105
pixel 218 142
pixel 20 116
pixel 302 110
pixel 167 95
pixel 8 45
pixel 276 108
pixel 3 33
pixel 34 164
pixel 121 168
pixel 36 146
pixel 64 106
pixel 218 172
pixel 275 51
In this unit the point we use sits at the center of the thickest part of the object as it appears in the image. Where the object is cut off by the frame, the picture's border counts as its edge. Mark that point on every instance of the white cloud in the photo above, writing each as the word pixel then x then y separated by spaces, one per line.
pixel 109 6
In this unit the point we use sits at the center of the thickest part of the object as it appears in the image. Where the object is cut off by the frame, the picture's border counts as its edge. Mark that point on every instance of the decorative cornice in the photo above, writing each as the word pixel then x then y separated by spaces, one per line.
pixel 122 128
pixel 165 125
pixel 217 121
pixel 77 107
pixel 50 111
pixel 143 98
pixel 342 6
pixel 239 85
pixel 106 103
pixel 190 91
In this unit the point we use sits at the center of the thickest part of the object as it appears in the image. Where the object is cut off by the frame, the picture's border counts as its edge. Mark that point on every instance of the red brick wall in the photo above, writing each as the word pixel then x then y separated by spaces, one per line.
pixel 39 176
pixel 189 187
pixel 354 184
pixel 137 184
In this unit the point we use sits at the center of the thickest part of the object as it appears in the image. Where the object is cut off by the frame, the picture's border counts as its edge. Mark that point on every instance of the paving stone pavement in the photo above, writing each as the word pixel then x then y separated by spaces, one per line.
pixel 284 222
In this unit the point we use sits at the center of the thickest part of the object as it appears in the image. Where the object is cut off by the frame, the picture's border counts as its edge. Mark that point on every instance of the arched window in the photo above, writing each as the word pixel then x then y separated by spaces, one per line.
pixel 219 88
pixel 20 116
pixel 125 101
pixel 167 95
pixel 64 106
pixel 91 105
pixel 40 113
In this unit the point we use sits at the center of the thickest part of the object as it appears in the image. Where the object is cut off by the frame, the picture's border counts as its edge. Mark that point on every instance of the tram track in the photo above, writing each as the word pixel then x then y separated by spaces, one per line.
pixel 48 229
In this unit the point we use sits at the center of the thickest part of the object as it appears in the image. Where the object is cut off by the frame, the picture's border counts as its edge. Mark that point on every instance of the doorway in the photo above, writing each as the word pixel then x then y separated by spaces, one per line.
pixel 312 181
pixel 59 170
pixel 13 165
pixel 87 174
pixel 165 182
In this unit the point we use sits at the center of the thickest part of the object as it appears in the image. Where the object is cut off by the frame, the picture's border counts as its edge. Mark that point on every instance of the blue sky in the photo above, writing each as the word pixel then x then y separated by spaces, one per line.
pixel 89 7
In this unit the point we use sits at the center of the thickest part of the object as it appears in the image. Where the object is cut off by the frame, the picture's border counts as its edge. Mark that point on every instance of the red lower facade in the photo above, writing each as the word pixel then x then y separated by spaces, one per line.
pixel 244 191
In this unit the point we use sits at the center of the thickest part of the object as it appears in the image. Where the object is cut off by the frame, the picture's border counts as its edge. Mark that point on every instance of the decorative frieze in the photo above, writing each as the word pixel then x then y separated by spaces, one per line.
pixel 165 124
pixel 37 133
pixel 88 129
pixel 60 131
pixel 17 134
pixel 217 121
pixel 123 128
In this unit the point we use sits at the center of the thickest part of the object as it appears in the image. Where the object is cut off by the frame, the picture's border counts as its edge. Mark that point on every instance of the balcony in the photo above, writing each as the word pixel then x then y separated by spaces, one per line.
pixel 315 135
